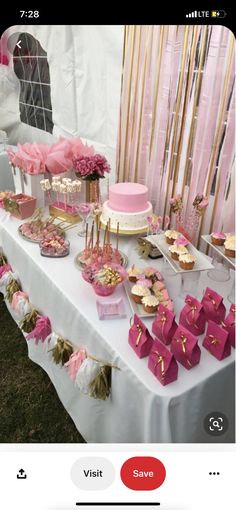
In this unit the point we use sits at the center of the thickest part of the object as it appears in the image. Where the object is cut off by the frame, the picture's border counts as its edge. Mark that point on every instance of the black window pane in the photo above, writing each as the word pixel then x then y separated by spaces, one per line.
pixel 32 69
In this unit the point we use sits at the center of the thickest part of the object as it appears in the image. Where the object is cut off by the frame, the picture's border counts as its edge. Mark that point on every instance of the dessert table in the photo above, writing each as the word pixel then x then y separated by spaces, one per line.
pixel 140 409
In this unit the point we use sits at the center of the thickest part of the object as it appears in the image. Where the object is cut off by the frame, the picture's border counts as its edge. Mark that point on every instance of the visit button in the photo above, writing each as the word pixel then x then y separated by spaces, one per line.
pixel 143 473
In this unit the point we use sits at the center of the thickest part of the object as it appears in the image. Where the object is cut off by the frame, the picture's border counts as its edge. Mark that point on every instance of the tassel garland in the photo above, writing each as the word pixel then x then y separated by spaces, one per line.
pixel 3 260
pixel 29 321
pixel 62 351
pixel 100 387
pixel 41 331
pixel 12 287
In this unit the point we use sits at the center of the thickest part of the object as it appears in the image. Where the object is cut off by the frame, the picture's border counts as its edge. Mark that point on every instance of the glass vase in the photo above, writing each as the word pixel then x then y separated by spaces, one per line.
pixel 93 191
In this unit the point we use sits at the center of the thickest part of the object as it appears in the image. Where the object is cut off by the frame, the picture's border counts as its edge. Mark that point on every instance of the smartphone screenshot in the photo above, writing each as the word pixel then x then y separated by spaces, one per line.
pixel 117 261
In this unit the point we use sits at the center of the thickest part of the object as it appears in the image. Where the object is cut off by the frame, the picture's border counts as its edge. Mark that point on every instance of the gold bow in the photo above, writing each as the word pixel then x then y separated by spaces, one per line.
pixel 214 340
pixel 212 300
pixel 192 311
pixel 140 331
pixel 160 359
pixel 183 341
pixel 11 206
pixel 162 320
pixel 139 334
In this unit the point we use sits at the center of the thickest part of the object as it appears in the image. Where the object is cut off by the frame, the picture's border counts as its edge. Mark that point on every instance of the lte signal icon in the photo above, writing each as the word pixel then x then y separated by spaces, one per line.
pixel 21 475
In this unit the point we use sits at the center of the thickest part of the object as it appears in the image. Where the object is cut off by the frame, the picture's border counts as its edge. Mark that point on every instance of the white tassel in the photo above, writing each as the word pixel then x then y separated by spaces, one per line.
pixel 86 374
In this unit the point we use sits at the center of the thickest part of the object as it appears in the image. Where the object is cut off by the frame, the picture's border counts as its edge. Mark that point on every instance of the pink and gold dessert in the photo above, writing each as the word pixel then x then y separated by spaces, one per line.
pixel 55 246
pixel 163 295
pixel 171 236
pixel 153 274
pixel 133 273
pixel 157 287
pixel 128 206
pixel 218 238
pixel 187 261
pixel 150 304
pixel 146 282
pixel 138 292
pixel 181 241
pixel 176 251
pixel 37 231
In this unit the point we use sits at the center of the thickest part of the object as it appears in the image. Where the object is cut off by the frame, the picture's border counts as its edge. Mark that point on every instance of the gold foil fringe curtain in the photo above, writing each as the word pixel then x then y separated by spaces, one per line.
pixel 170 75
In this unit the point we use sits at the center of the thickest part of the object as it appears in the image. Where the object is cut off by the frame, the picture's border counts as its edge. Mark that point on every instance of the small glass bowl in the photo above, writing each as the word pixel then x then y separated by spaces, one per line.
pixel 53 252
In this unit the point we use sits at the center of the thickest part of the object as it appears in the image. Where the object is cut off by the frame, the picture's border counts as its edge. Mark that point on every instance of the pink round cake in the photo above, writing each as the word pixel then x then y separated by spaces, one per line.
pixel 127 206
pixel 128 197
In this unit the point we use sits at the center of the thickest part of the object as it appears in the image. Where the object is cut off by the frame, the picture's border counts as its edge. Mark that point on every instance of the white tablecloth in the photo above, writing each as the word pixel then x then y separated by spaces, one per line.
pixel 6 178
pixel 140 409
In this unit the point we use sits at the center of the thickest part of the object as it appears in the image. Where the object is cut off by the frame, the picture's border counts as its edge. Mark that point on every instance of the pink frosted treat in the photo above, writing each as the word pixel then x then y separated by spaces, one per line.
pixel 153 274
pixel 218 238
pixel 164 295
pixel 55 245
pixel 141 280
pixel 158 286
pixel 181 241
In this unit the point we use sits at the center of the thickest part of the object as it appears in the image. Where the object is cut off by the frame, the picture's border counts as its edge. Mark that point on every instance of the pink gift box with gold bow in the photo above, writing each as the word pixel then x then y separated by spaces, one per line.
pixel 192 317
pixel 139 338
pixel 185 348
pixel 162 364
pixel 229 324
pixel 214 307
pixel 164 325
pixel 217 341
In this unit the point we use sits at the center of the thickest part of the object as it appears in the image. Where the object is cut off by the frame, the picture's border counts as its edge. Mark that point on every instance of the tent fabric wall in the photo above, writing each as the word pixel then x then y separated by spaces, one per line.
pixel 85 64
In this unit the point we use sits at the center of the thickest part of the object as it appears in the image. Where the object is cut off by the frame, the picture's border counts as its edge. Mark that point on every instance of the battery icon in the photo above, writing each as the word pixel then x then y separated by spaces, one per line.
pixel 218 14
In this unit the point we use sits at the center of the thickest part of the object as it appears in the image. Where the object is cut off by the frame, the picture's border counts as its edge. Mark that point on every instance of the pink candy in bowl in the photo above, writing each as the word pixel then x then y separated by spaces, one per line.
pixel 104 277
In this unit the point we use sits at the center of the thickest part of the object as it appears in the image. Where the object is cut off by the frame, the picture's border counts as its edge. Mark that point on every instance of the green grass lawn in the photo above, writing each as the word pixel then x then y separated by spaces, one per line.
pixel 30 410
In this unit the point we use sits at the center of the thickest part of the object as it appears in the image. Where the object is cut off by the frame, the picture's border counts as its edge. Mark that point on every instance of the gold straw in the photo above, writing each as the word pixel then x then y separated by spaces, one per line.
pixel 86 237
pixel 104 239
pixel 92 235
pixel 117 235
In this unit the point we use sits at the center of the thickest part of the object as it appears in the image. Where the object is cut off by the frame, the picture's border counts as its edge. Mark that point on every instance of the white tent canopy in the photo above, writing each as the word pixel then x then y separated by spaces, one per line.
pixel 85 63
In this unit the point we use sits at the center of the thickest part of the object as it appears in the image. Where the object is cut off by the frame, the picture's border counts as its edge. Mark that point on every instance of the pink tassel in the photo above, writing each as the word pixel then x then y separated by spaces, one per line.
pixel 75 363
pixel 16 296
pixel 41 331
pixel 4 269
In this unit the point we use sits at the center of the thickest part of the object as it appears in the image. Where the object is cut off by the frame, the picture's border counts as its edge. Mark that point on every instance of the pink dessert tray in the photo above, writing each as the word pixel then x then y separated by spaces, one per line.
pixel 112 308
pixel 219 249
pixel 201 264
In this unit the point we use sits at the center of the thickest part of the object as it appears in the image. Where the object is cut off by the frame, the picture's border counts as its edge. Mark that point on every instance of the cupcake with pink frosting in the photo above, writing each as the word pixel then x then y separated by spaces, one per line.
pixel 218 238
pixel 181 241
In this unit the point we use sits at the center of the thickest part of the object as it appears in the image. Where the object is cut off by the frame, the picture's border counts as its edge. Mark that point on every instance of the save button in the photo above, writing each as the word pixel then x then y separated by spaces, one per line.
pixel 143 473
